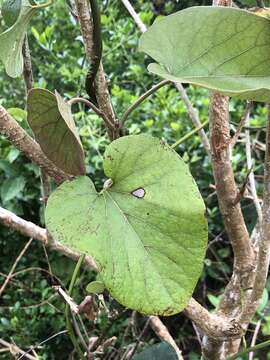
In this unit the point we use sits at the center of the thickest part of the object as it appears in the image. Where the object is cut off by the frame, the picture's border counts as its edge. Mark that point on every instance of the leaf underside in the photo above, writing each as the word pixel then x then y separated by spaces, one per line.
pixel 50 118
pixel 11 40
pixel 147 232
pixel 220 48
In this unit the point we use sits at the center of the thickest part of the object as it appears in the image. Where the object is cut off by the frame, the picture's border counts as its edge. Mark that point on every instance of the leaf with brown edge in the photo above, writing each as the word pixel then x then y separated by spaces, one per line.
pixel 50 118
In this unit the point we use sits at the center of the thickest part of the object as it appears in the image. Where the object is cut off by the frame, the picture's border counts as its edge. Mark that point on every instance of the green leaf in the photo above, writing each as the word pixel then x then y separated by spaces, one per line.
pixel 11 40
pixel 223 49
pixel 95 287
pixel 51 120
pixel 10 11
pixel 17 113
pixel 146 229
pixel 160 351
pixel 214 300
pixel 11 188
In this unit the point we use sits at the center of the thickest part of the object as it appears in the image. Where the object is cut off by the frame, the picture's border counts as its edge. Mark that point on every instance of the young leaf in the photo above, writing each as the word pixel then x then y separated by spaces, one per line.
pixel 51 120
pixel 95 287
pixel 160 351
pixel 223 49
pixel 146 229
pixel 11 41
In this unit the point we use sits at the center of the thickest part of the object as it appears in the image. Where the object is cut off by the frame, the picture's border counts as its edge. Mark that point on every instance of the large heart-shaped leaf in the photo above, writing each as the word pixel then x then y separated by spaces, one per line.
pixel 162 351
pixel 146 229
pixel 11 41
pixel 224 49
pixel 51 120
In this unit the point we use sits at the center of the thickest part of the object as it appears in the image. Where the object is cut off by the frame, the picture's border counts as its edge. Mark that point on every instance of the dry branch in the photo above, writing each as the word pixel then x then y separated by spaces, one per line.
pixel 162 332
pixel 9 276
pixel 193 114
pixel 31 230
pixel 14 349
pixel 134 15
pixel 251 177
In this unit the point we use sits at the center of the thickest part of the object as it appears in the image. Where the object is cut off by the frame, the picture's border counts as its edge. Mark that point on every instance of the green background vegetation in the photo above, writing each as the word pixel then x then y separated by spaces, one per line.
pixel 30 311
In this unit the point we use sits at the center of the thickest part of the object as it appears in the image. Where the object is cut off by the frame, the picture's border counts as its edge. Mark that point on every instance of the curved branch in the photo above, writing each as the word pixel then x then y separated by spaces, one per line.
pixel 142 98
pixel 94 108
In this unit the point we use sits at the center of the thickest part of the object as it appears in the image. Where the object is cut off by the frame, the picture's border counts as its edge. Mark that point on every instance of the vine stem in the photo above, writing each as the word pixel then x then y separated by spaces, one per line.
pixel 248 350
pixel 188 135
pixel 142 98
pixel 94 108
pixel 68 314
pixel 41 6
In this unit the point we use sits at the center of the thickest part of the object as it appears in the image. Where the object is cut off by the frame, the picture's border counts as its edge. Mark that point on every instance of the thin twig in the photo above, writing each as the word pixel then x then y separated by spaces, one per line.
pixel 15 349
pixel 142 334
pixel 94 108
pixel 134 15
pixel 243 123
pixel 188 135
pixel 22 252
pixel 42 343
pixel 251 176
pixel 162 332
pixel 68 315
pixel 141 99
pixel 254 338
pixel 193 114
